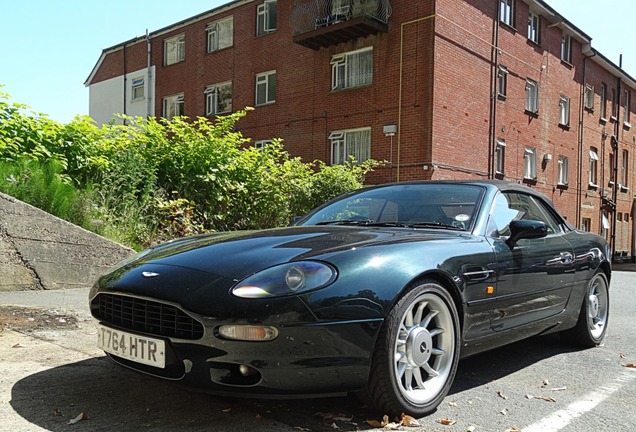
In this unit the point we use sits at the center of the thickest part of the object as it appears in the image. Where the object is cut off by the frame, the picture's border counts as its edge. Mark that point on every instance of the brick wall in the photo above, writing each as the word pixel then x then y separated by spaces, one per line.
pixel 442 69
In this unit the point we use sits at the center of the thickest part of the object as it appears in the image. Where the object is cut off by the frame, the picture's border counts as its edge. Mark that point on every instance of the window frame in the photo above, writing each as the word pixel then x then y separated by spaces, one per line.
pixel 261 144
pixel 588 98
pixel 614 107
pixel 532 96
pixel 566 48
pixel 135 85
pixel 627 106
pixel 586 224
pixel 214 32
pixel 264 79
pixel 213 94
pixel 534 26
pixel 624 174
pixel 564 111
pixel 178 100
pixel 507 12
pixel 264 13
pixel 341 65
pixel 502 82
pixel 603 109
pixel 530 163
pixel 341 156
pixel 593 168
pixel 179 50
pixel 563 171
pixel 500 156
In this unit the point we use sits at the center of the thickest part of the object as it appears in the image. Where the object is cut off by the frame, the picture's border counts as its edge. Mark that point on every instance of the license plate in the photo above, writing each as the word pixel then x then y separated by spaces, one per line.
pixel 140 349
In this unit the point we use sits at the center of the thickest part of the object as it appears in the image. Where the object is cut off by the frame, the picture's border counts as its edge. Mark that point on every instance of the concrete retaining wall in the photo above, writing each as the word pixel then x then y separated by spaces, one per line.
pixel 40 251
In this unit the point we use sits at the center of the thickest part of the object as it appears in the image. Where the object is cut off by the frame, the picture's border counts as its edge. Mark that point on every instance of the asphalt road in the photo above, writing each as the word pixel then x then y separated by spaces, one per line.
pixel 51 374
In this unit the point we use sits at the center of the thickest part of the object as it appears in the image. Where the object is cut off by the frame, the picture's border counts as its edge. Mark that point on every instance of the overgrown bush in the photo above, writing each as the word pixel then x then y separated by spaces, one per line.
pixel 41 185
pixel 154 179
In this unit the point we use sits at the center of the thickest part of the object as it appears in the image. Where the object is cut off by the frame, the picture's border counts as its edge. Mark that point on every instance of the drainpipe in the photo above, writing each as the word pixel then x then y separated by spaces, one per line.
pixel 149 77
pixel 588 53
pixel 125 80
pixel 614 143
pixel 492 163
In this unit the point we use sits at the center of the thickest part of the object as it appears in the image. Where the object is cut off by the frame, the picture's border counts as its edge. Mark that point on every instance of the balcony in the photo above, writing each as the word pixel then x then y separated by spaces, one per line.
pixel 320 24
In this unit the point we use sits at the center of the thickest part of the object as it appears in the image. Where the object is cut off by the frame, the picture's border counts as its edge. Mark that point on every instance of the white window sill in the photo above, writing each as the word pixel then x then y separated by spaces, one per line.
pixel 592 185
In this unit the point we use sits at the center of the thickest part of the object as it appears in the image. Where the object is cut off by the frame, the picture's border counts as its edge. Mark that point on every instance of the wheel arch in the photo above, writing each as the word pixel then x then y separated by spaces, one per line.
pixel 446 282
pixel 607 269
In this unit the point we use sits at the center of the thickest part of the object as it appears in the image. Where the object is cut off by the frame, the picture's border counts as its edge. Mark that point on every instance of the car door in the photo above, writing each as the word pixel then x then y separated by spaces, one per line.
pixel 534 275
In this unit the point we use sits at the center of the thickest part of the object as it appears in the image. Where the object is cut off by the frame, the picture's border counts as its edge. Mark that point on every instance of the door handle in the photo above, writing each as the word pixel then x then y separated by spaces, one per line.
pixel 478 275
pixel 566 257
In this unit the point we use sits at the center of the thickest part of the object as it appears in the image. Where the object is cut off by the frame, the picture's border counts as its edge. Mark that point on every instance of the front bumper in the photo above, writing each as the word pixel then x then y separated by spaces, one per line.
pixel 307 358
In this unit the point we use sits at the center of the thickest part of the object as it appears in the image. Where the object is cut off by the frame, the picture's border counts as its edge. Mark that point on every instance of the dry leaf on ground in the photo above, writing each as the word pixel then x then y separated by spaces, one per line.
pixel 80 417
pixel 446 421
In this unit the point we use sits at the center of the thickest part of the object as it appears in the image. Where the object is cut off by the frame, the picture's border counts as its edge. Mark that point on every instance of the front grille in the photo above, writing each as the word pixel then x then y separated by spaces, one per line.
pixel 146 316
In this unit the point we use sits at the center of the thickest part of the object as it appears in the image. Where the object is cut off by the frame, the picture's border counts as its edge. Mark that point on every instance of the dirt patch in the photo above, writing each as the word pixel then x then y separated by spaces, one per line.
pixel 25 319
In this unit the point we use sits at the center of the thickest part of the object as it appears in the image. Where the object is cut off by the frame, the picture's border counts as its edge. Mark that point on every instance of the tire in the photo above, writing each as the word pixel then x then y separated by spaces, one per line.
pixel 417 352
pixel 593 318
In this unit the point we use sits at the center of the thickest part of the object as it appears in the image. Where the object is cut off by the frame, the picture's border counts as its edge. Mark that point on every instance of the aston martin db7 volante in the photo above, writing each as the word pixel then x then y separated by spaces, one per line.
pixel 380 291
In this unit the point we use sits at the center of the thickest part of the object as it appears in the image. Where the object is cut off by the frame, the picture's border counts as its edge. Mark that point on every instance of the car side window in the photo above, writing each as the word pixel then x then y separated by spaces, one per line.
pixel 510 206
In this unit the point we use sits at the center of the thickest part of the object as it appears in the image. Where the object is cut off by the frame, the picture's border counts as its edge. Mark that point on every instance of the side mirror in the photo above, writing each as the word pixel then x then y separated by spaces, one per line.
pixel 526 229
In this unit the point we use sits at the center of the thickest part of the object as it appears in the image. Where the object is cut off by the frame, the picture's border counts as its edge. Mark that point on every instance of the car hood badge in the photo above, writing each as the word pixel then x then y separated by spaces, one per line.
pixel 148 274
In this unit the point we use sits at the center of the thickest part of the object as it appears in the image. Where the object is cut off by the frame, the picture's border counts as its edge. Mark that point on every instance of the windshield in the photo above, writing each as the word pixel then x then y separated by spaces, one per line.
pixel 421 205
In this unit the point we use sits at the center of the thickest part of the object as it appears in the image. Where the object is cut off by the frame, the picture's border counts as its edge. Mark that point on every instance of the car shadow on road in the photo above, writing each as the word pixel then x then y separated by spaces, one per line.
pixel 114 398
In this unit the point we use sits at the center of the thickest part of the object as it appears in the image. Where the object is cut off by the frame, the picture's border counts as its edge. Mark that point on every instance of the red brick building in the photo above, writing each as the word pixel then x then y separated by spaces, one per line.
pixel 440 89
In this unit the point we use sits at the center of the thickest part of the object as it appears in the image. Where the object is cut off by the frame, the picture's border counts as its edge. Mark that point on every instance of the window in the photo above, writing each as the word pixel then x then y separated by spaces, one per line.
pixel 174 50
pixel 589 97
pixel 511 206
pixel 218 98
pixel 624 168
pixel 611 168
pixel 266 17
pixel 355 143
pixel 586 224
pixel 614 105
pixel 563 170
pixel 137 89
pixel 564 111
pixel 533 27
pixel 261 143
pixel 352 69
pixel 628 100
pixel 173 106
pixel 566 49
pixel 506 12
pixel 593 179
pixel 532 96
pixel 266 88
pixel 220 34
pixel 530 163
pixel 502 82
pixel 603 101
pixel 500 153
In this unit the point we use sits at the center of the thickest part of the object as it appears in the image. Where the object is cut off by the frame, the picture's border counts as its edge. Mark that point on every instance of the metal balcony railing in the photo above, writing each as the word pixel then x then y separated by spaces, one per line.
pixel 321 23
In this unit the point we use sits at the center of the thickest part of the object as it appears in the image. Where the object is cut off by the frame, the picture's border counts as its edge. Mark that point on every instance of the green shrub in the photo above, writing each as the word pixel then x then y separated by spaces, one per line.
pixel 40 184
pixel 153 179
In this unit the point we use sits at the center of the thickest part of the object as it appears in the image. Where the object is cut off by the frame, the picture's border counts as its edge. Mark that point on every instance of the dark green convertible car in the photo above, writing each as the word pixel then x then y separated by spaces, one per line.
pixel 379 291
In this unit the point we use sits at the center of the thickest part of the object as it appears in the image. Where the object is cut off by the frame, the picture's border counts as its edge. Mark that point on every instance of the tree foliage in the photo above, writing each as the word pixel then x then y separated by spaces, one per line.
pixel 153 179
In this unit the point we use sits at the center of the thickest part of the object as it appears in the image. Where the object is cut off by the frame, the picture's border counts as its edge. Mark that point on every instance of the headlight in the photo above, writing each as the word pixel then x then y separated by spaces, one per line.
pixel 286 279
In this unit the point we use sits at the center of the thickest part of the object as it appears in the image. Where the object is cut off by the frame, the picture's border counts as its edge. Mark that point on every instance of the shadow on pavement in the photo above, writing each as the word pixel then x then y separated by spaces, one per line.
pixel 115 398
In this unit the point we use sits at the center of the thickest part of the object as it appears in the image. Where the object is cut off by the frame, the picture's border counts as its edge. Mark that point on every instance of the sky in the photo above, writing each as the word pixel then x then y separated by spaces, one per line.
pixel 51 46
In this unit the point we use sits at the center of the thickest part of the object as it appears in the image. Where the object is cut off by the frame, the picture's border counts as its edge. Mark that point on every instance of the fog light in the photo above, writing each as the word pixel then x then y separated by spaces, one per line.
pixel 248 332
pixel 245 370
